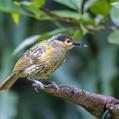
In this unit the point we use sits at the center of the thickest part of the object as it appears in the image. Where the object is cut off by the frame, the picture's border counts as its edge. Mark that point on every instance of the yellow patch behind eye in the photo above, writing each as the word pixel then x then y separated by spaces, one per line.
pixel 68 45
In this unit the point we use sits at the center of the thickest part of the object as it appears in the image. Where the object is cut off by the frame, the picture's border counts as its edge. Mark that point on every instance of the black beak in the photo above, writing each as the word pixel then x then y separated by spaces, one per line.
pixel 80 44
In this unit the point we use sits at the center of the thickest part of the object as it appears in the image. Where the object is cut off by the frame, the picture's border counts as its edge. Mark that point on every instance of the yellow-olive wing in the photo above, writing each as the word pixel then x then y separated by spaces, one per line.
pixel 30 57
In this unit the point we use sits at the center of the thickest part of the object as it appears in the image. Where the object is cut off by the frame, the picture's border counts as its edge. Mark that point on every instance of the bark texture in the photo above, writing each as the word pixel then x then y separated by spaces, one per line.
pixel 96 104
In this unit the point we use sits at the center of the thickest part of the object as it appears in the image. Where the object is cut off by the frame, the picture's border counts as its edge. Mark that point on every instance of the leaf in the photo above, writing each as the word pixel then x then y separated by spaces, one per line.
pixel 74 4
pixel 15 17
pixel 83 29
pixel 36 4
pixel 114 14
pixel 87 19
pixel 67 13
pixel 115 4
pixel 23 8
pixel 10 7
pixel 28 41
pixel 32 7
pixel 101 7
pixel 77 34
pixel 114 37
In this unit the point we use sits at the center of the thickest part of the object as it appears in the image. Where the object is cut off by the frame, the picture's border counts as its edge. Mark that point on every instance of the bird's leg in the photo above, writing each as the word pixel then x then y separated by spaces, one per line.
pixel 37 84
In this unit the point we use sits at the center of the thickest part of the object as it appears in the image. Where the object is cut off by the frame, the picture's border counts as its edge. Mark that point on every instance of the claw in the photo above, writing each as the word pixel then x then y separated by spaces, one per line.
pixel 52 85
pixel 45 84
pixel 38 85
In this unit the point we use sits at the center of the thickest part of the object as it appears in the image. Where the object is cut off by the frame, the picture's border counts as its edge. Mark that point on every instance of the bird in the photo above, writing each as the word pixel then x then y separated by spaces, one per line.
pixel 41 60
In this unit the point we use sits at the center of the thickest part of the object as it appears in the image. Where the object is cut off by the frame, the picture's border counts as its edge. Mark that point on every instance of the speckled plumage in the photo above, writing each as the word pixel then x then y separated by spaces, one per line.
pixel 38 62
pixel 41 60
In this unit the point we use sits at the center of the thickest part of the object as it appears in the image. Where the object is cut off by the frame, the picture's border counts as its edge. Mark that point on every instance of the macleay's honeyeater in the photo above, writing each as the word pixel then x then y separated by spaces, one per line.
pixel 41 60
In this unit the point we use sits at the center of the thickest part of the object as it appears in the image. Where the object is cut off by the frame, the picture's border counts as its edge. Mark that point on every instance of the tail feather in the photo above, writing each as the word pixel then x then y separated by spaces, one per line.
pixel 9 81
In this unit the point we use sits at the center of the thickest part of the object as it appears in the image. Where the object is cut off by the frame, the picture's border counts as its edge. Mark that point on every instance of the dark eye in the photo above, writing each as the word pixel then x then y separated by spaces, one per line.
pixel 68 41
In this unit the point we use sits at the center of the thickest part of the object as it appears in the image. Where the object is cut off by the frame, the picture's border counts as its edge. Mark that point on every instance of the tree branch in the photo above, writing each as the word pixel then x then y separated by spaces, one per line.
pixel 58 18
pixel 91 28
pixel 96 104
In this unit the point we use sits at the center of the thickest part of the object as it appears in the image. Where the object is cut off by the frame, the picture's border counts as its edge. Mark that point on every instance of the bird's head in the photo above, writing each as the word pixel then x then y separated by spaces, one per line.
pixel 66 41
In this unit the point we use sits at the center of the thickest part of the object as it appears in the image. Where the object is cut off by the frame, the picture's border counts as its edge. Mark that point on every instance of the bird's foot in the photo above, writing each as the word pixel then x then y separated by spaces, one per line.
pixel 45 84
pixel 38 85
pixel 52 85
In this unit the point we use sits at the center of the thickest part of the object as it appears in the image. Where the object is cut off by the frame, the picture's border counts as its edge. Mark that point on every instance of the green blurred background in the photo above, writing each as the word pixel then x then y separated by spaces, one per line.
pixel 95 69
